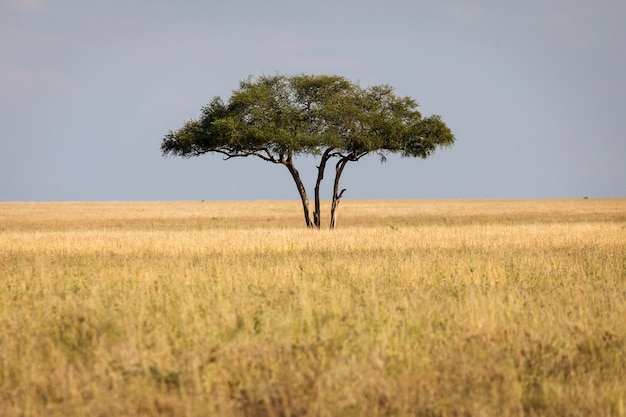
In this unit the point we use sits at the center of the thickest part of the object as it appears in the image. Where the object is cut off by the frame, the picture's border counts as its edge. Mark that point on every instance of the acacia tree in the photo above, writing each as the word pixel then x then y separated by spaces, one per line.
pixel 278 118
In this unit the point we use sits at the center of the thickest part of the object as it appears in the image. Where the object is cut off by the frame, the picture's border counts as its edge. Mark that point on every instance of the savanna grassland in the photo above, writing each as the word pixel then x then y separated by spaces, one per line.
pixel 408 308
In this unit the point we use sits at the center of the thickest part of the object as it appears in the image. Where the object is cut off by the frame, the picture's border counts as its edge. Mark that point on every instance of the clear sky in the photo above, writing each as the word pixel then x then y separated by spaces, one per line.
pixel 534 90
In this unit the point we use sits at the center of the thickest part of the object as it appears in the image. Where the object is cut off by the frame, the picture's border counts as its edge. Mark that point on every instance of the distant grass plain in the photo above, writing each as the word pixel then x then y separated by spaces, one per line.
pixel 408 308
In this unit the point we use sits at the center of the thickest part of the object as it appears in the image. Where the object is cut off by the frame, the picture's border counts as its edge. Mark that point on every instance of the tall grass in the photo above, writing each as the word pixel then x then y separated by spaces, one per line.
pixel 427 308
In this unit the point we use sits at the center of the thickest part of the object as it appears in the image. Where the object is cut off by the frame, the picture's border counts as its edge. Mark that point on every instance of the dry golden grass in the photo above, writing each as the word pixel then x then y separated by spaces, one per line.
pixel 427 308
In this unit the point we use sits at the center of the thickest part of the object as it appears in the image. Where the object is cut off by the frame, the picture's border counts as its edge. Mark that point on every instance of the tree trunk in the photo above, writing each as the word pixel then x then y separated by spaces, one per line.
pixel 317 217
pixel 336 194
pixel 301 190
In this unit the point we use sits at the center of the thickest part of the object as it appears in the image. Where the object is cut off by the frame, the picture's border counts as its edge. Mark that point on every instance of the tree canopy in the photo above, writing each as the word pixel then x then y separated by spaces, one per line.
pixel 278 118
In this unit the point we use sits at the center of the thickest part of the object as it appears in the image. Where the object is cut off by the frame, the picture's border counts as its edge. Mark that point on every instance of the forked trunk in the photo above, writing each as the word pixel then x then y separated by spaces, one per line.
pixel 336 194
pixel 301 190
pixel 317 216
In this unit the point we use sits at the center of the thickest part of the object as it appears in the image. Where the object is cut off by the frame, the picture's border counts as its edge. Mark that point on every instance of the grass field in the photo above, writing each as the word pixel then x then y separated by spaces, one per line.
pixel 408 308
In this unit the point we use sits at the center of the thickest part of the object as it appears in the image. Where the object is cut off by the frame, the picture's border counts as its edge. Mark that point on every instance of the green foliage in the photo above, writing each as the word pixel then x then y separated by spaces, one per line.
pixel 273 117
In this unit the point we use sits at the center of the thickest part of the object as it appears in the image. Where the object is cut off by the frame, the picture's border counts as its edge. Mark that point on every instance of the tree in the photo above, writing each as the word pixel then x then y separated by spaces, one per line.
pixel 278 118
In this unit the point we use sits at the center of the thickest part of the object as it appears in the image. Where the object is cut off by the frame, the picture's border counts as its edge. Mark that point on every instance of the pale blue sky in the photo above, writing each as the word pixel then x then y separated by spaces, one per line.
pixel 534 90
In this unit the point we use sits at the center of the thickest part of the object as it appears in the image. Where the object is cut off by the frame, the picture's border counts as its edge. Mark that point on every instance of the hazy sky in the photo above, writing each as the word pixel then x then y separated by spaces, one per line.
pixel 534 90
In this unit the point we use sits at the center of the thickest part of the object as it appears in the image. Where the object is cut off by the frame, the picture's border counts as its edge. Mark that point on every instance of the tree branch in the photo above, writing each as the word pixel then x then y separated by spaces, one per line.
pixel 228 154
pixel 317 216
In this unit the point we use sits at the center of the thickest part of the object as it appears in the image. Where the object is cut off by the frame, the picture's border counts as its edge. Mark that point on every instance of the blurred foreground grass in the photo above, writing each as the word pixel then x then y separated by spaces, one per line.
pixel 426 308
